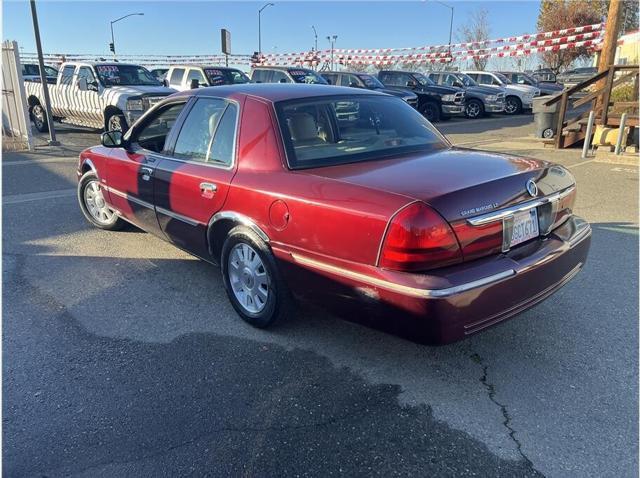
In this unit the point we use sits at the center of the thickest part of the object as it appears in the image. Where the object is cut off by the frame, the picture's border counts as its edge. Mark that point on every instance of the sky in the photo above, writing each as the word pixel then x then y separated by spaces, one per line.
pixel 179 28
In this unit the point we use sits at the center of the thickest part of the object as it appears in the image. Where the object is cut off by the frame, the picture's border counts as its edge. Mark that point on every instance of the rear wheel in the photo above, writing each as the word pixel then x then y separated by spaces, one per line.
pixel 431 111
pixel 252 280
pixel 512 105
pixel 39 117
pixel 93 205
pixel 474 109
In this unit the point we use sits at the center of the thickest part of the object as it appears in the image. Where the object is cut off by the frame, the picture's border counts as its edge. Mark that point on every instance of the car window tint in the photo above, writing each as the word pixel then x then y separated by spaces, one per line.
pixel 349 80
pixel 176 77
pixel 67 74
pixel 397 79
pixel 86 73
pixel 195 141
pixel 331 78
pixel 237 77
pixel 280 77
pixel 153 134
pixel 195 75
pixel 260 76
pixel 329 131
pixel 221 151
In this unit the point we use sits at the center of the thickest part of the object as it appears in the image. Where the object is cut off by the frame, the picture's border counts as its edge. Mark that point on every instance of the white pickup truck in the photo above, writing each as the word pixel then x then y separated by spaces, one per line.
pixel 97 94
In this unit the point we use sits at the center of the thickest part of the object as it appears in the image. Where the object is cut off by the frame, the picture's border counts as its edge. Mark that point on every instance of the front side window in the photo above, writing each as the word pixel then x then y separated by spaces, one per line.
pixel 131 75
pixel 331 78
pixel 423 80
pixel 67 74
pixel 260 76
pixel 338 130
pixel 306 76
pixel 370 81
pixel 237 77
pixel 86 73
pixel 350 80
pixel 195 75
pixel 396 79
pixel 208 133
pixel 154 132
pixel 176 77
pixel 280 77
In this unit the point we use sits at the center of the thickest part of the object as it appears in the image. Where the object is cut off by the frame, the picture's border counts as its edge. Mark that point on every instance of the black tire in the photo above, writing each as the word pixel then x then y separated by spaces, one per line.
pixel 39 118
pixel 512 105
pixel 431 111
pixel 474 109
pixel 279 302
pixel 111 223
pixel 116 122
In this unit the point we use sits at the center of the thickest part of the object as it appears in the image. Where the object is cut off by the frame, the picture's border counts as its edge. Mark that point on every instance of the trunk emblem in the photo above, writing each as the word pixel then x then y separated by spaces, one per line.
pixel 532 188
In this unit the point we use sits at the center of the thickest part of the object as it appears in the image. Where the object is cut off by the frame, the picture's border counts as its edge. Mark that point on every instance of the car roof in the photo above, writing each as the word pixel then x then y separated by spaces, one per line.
pixel 283 68
pixel 202 66
pixel 399 71
pixel 345 71
pixel 277 91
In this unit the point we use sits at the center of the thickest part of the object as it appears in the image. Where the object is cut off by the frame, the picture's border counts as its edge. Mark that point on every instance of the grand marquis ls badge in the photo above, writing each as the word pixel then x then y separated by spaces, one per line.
pixel 532 188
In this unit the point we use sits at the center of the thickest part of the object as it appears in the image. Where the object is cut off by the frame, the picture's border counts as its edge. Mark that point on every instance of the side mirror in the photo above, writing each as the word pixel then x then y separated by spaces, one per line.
pixel 353 84
pixel 328 81
pixel 111 139
pixel 458 84
pixel 411 83
pixel 195 84
pixel 93 86
pixel 283 80
pixel 165 83
pixel 82 84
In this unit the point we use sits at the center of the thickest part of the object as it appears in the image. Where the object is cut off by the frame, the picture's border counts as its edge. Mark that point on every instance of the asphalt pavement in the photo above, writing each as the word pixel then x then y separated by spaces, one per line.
pixel 123 357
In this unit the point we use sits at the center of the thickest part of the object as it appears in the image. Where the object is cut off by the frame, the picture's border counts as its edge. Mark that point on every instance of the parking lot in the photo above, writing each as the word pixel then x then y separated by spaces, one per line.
pixel 124 357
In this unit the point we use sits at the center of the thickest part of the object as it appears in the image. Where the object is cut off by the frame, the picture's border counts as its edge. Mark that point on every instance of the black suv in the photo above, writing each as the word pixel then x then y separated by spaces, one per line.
pixel 434 102
pixel 370 82
pixel 285 74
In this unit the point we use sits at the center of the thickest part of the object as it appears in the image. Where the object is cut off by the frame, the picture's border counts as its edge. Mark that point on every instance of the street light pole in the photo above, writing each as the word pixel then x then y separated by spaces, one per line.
pixel 113 41
pixel 450 22
pixel 315 34
pixel 259 26
pixel 332 39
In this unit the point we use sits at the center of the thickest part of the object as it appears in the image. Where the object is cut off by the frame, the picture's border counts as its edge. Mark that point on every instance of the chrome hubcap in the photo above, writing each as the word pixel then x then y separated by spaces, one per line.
pixel 96 205
pixel 473 110
pixel 249 278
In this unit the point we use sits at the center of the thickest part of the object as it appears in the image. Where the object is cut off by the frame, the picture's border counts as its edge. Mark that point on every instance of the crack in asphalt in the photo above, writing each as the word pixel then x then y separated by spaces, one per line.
pixel 491 390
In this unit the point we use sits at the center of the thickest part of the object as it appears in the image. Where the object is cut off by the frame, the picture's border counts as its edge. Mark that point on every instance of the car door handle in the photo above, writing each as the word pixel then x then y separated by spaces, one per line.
pixel 146 173
pixel 208 189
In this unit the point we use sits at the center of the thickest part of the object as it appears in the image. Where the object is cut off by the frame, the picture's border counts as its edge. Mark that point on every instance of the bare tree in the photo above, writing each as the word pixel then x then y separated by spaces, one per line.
pixel 476 30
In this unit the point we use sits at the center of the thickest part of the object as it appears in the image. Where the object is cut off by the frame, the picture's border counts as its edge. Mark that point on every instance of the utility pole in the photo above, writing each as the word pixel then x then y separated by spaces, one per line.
pixel 43 78
pixel 610 43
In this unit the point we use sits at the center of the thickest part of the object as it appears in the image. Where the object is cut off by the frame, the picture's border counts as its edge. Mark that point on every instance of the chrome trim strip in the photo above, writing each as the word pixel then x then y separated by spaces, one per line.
pixel 402 289
pixel 128 197
pixel 242 219
pixel 580 235
pixel 508 211
pixel 179 217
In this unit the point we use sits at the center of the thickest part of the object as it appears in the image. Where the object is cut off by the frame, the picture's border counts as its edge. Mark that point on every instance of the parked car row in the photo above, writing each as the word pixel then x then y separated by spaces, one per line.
pixel 112 95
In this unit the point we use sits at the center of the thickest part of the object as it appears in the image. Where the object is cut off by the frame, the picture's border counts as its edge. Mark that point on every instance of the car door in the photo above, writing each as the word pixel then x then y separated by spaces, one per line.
pixel 61 97
pixel 87 106
pixel 130 172
pixel 193 179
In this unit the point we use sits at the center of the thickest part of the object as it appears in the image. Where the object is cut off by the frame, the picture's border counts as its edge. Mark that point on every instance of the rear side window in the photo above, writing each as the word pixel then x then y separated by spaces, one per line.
pixel 176 77
pixel 336 130
pixel 67 74
pixel 208 133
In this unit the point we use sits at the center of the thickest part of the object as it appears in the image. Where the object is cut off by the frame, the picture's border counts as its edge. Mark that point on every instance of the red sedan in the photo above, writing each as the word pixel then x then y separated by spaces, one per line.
pixel 346 197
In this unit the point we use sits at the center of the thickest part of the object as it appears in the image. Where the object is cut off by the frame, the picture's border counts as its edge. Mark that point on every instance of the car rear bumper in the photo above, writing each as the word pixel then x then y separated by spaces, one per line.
pixel 450 304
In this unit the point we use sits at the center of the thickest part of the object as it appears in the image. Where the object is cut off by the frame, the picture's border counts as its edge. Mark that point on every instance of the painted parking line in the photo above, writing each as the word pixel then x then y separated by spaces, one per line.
pixel 28 197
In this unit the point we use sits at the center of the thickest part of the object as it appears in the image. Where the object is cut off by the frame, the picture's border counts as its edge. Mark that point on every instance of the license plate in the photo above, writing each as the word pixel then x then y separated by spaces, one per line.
pixel 525 227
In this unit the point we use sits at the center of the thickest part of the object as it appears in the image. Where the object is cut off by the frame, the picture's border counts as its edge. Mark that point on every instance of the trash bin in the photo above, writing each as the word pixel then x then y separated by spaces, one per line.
pixel 546 117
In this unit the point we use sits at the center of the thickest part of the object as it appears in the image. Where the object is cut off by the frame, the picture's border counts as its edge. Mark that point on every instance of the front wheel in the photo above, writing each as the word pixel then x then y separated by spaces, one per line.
pixel 252 280
pixel 431 111
pixel 474 109
pixel 512 105
pixel 39 117
pixel 93 205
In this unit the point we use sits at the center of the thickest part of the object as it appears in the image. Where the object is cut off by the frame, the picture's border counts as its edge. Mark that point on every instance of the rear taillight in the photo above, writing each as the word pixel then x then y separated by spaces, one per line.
pixel 418 239
pixel 478 241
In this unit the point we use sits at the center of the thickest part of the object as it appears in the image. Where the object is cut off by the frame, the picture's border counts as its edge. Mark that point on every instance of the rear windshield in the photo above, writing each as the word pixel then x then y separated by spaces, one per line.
pixel 337 130
pixel 307 76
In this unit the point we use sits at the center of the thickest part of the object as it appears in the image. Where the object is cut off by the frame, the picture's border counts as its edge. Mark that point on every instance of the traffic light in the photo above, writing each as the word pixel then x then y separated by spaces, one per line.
pixel 112 47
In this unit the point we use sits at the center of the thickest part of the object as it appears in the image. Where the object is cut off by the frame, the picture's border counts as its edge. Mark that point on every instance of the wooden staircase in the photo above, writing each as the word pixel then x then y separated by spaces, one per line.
pixel 573 129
